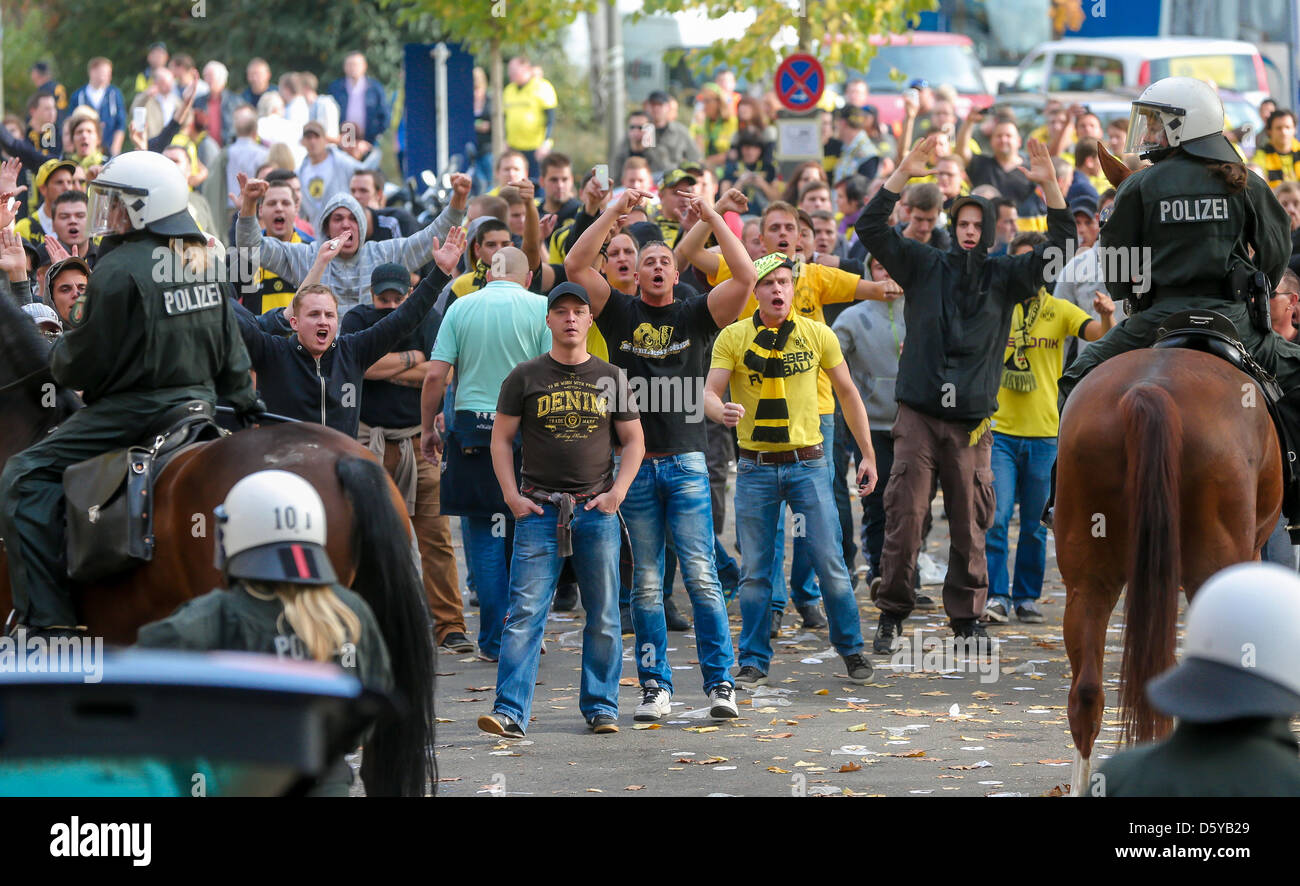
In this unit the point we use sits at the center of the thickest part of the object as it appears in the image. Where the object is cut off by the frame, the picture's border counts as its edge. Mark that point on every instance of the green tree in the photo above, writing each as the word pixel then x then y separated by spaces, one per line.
pixel 290 35
pixel 837 32
pixel 489 29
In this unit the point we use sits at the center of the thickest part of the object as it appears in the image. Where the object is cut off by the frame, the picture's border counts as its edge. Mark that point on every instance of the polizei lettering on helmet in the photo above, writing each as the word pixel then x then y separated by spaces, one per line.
pixel 1194 209
pixel 187 299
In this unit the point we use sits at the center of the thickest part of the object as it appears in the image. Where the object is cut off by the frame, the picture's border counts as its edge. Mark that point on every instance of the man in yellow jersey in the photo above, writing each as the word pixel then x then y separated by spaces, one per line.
pixel 528 103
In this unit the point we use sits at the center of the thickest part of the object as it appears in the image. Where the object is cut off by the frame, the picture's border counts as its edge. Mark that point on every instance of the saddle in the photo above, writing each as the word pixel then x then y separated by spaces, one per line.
pixel 110 497
pixel 1213 333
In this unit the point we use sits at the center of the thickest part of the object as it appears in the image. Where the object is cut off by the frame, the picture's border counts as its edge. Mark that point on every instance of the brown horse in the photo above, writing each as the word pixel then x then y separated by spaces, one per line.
pixel 369 542
pixel 1182 479
pixel 1168 470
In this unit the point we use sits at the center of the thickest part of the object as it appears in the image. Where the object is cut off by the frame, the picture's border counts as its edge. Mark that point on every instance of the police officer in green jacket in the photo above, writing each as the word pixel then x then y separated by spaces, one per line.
pixel 282 597
pixel 1183 230
pixel 141 340
pixel 1234 695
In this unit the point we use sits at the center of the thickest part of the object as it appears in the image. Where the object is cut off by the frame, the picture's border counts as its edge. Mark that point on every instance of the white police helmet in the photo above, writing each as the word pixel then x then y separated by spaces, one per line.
pixel 271 527
pixel 1242 654
pixel 1179 112
pixel 146 190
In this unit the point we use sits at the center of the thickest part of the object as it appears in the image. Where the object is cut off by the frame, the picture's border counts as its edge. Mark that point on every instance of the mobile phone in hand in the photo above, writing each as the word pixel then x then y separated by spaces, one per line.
pixel 602 177
pixel 138 119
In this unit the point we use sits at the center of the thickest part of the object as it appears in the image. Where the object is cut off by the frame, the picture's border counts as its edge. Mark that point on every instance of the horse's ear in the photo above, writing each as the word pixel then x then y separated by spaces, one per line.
pixel 1116 170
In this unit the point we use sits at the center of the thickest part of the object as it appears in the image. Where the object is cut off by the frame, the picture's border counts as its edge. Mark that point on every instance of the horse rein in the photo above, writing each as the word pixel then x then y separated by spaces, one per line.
pixel 22 380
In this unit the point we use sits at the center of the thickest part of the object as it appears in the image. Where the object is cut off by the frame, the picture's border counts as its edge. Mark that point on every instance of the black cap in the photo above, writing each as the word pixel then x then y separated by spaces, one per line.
pixel 564 289
pixel 658 97
pixel 850 114
pixel 645 232
pixel 390 276
pixel 1084 204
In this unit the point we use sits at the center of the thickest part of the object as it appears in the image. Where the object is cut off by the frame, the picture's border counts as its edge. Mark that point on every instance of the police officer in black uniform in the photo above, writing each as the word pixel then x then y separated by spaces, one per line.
pixel 1208 226
pixel 136 348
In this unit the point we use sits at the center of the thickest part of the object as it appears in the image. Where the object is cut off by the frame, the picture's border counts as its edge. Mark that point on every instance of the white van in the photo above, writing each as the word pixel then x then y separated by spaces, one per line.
pixel 1107 63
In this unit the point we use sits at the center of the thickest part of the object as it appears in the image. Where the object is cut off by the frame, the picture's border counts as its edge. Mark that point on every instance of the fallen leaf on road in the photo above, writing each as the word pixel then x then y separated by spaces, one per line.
pixel 935 692
pixel 982 764
pixel 1061 790
pixel 450 779
pixel 706 762
pixel 1054 762
pixel 782 735
pixel 779 770
pixel 850 767
pixel 860 727
pixel 479 688
pixel 822 692
pixel 908 754
pixel 635 787
pixel 627 681
pixel 648 726
pixel 594 791
pixel 700 729
pixel 805 716
pixel 1000 735
pixel 804 764
pixel 444 720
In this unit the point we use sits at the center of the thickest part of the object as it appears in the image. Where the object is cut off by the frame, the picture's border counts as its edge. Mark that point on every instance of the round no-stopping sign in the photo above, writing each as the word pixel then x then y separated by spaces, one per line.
pixel 800 82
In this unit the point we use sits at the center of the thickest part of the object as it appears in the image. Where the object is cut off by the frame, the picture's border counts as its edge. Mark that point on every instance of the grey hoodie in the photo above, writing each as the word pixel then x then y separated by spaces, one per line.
pixel 871 335
pixel 348 277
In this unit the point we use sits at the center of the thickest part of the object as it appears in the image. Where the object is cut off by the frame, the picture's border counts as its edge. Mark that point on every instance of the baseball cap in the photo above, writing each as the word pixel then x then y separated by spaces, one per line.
pixel 645 232
pixel 157 45
pixel 766 264
pixel 42 314
pixel 1241 657
pixel 849 114
pixel 49 167
pixel 390 276
pixel 1086 205
pixel 313 126
pixel 681 174
pixel 919 83
pixel 564 289
pixel 58 268
pixel 658 97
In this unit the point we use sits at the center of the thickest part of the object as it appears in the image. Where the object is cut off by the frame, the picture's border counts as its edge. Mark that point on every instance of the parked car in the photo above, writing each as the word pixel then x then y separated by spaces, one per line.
pixel 1084 65
pixel 925 55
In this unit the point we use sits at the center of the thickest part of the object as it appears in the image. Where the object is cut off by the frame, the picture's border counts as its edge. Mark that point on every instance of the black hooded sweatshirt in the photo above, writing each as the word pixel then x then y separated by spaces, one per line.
pixel 958 307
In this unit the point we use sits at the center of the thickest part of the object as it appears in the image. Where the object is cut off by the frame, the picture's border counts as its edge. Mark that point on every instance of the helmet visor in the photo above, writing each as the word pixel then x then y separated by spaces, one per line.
pixel 105 210
pixel 1146 130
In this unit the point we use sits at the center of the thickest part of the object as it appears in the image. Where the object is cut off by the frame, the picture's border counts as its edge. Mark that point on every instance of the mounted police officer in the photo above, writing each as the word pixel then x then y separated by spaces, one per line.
pixel 282 597
pixel 1195 231
pixel 137 349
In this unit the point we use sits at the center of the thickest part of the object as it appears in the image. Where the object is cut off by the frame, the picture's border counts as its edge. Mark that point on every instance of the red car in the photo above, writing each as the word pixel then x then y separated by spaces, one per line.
pixel 922 55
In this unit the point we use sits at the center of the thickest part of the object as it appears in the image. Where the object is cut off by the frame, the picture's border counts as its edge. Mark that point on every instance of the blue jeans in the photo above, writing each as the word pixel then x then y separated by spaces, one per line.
pixel 1022 474
pixel 1278 549
pixel 534 571
pixel 762 491
pixel 803 582
pixel 671 493
pixel 487 546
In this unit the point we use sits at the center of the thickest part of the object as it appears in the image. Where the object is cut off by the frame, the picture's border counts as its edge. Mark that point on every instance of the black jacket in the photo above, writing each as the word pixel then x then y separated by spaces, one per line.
pixel 328 390
pixel 958 307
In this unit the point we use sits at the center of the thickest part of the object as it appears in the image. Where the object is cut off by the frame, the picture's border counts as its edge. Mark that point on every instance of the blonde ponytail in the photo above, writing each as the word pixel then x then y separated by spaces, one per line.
pixel 322 621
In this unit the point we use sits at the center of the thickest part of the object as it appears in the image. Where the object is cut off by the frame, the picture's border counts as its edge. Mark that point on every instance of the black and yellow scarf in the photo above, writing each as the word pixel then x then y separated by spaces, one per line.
pixel 1016 374
pixel 772 415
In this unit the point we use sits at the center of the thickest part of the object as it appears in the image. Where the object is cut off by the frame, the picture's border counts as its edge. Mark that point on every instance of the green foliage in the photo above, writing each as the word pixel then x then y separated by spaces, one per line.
pixel 477 25
pixel 291 35
pixel 838 31
pixel 24 41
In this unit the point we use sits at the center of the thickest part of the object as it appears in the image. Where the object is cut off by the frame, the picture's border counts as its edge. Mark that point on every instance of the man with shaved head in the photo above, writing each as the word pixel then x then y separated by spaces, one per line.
pixel 484 335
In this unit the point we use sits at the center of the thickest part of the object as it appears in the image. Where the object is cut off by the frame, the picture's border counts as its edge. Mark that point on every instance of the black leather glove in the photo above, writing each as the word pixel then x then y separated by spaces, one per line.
pixel 252 414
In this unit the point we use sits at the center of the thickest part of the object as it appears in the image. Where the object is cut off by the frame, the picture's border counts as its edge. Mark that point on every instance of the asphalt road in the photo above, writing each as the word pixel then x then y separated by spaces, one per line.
pixel 957 727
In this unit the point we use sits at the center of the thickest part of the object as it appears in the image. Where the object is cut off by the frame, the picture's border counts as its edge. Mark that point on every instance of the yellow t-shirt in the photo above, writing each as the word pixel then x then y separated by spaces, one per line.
pixel 815 286
pixel 525 110
pixel 1033 413
pixel 812 347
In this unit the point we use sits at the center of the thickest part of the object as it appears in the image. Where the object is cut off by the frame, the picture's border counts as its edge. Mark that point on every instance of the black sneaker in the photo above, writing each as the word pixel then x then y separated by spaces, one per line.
pixel 749 676
pixel 776 624
pixel 473 597
pixel 455 641
pixel 566 597
pixel 603 724
pixel 973 634
pixel 674 619
pixel 887 631
pixel 812 616
pixel 924 601
pixel 1029 613
pixel 625 620
pixel 497 723
pixel 859 668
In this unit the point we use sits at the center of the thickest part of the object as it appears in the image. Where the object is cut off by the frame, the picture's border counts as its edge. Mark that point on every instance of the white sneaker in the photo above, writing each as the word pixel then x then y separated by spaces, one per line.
pixel 656 702
pixel 724 702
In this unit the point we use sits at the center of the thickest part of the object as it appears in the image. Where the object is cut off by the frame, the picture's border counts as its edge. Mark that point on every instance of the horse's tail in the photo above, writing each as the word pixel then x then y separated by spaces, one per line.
pixel 1153 446
pixel 399 755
